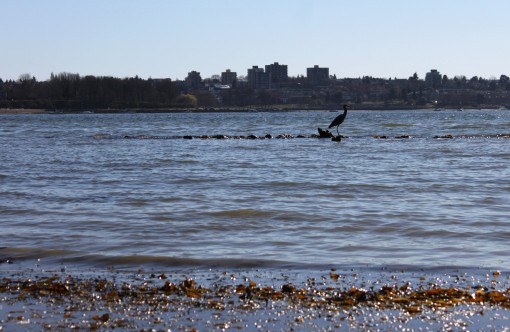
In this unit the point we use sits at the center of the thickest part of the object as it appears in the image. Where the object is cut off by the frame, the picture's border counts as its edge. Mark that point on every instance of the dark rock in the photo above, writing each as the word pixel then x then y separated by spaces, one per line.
pixel 325 133
pixel 445 136
pixel 187 137
pixel 252 137
pixel 337 138
pixel 8 260
pixel 288 289
pixel 268 136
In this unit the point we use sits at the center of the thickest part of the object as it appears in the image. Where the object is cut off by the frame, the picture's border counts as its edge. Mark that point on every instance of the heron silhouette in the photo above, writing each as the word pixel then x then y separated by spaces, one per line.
pixel 339 119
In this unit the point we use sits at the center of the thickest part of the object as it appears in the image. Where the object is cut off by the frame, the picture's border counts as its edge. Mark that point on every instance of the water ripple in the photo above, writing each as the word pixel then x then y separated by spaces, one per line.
pixel 401 188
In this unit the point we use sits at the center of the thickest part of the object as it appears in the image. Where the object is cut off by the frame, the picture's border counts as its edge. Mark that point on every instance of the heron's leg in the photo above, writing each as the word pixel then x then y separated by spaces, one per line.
pixel 337 130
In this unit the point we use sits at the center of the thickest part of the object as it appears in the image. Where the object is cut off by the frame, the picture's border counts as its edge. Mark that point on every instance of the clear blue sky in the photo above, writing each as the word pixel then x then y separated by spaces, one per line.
pixel 167 38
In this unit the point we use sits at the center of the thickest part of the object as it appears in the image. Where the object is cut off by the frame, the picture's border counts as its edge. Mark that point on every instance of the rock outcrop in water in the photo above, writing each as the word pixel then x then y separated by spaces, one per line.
pixel 325 133
pixel 322 134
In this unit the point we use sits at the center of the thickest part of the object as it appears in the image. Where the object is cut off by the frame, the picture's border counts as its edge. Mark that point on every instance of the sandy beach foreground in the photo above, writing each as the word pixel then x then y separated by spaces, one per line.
pixel 253 300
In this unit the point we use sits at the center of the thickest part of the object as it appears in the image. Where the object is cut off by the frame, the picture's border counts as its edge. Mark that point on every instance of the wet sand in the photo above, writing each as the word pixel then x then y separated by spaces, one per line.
pixel 161 299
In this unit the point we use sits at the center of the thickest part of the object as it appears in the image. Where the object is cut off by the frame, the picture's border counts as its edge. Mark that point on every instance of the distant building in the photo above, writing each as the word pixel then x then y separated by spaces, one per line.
pixel 258 79
pixel 194 80
pixel 228 77
pixel 277 73
pixel 317 75
pixel 433 79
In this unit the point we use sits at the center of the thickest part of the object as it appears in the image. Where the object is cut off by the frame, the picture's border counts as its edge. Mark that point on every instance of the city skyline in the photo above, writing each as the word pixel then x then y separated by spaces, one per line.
pixel 162 39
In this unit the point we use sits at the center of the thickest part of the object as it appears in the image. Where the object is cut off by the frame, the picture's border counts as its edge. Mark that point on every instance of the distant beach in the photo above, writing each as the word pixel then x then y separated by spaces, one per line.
pixel 366 107
pixel 22 111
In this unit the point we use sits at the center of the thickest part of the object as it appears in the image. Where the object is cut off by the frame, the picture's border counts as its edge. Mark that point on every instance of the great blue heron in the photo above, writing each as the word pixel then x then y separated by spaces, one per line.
pixel 339 119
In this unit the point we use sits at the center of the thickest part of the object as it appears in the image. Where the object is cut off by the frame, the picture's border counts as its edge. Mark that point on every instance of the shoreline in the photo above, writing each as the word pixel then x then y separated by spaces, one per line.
pixel 219 110
pixel 22 111
pixel 34 296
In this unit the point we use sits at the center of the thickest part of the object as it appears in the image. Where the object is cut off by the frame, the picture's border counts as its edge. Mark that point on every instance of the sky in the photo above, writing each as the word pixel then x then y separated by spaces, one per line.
pixel 168 38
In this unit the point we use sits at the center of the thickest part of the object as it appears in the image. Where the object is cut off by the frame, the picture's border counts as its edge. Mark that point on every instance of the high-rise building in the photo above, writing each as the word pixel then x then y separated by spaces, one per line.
pixel 317 75
pixel 433 79
pixel 278 73
pixel 258 79
pixel 228 77
pixel 194 80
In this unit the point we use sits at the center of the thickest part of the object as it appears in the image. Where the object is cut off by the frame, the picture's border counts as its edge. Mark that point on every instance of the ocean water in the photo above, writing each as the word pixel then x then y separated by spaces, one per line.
pixel 124 190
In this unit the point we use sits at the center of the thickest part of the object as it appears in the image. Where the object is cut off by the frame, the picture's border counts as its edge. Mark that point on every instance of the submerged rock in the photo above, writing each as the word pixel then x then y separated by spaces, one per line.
pixel 445 136
pixel 284 136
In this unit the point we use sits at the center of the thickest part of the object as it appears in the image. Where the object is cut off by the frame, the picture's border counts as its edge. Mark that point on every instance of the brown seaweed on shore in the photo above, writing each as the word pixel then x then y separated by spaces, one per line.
pixel 394 296
pixel 108 303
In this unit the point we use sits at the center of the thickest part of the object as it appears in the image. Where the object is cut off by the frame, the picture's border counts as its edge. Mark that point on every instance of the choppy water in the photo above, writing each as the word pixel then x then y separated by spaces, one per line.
pixel 73 189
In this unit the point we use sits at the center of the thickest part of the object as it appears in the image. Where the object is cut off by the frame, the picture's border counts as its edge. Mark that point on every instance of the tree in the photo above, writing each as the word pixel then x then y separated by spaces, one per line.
pixel 480 98
pixel 26 87
pixel 445 81
pixel 24 77
pixel 186 100
pixel 337 97
pixel 460 81
pixel 205 99
pixel 504 82
pixel 367 79
pixel 264 97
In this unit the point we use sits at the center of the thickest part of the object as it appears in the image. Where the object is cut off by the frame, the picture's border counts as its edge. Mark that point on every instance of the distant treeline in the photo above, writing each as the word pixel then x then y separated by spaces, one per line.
pixel 71 91
pixel 67 91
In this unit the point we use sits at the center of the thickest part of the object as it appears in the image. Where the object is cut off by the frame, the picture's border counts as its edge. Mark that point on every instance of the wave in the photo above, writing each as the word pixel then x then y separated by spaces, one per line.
pixel 58 259
pixel 242 213
pixel 394 124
